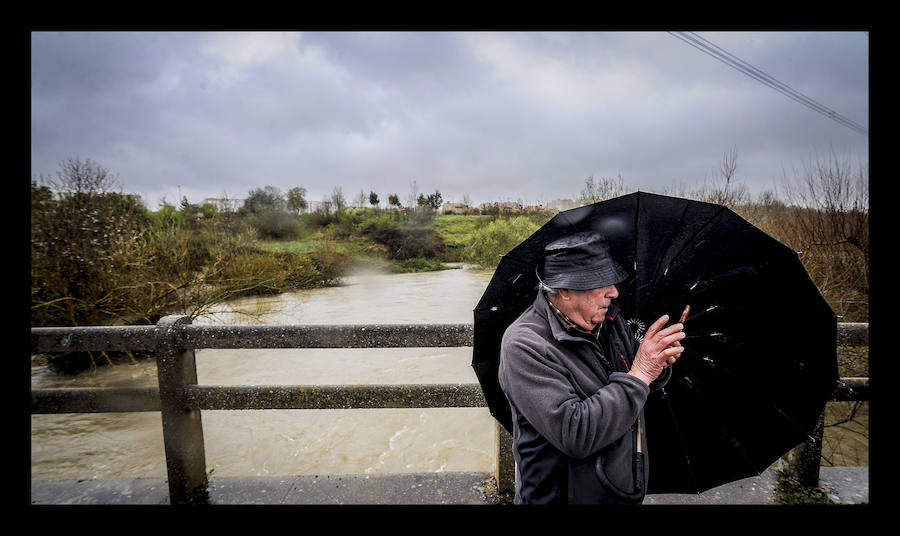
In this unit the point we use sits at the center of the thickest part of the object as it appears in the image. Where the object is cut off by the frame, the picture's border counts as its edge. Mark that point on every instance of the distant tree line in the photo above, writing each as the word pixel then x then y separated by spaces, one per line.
pixel 100 257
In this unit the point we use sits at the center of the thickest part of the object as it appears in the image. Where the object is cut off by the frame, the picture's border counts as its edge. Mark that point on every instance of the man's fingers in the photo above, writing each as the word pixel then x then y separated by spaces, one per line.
pixel 674 328
pixel 672 351
pixel 651 331
pixel 672 339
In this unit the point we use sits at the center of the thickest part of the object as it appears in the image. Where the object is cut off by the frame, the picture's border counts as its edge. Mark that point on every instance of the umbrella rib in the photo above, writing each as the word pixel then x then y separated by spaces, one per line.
pixel 669 244
pixel 671 238
pixel 726 438
pixel 687 458
pixel 657 277
pixel 759 396
pixel 518 259
pixel 635 302
pixel 565 217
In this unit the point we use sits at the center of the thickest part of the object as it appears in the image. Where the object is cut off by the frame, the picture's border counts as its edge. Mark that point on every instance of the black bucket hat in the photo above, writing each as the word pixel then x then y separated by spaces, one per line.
pixel 581 262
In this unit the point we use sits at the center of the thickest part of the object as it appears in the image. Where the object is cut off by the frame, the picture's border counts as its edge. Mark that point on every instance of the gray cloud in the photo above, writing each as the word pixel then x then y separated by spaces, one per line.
pixel 494 115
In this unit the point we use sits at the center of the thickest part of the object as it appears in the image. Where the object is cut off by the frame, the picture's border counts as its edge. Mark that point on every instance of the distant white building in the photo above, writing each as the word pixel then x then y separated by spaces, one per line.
pixel 561 204
pixel 224 204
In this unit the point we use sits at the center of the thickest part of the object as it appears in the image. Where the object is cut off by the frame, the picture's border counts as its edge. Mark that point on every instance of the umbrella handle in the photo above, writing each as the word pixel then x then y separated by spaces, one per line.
pixel 639 445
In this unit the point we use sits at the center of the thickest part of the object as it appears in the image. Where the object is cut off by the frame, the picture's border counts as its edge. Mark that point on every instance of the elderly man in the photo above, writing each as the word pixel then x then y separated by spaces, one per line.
pixel 577 378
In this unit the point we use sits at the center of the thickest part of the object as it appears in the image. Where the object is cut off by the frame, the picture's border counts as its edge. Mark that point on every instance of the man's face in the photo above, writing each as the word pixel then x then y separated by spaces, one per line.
pixel 587 308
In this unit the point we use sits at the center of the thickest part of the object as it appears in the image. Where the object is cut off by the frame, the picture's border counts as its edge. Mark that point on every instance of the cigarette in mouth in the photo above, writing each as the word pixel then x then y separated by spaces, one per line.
pixel 687 309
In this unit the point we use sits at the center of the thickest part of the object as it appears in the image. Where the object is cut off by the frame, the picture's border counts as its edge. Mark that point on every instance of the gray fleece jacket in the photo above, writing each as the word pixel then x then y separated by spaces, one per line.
pixel 577 436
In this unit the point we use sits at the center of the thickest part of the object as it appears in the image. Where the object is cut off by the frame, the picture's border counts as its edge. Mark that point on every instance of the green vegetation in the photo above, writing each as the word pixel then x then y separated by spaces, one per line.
pixel 497 237
pixel 789 491
pixel 457 233
pixel 101 258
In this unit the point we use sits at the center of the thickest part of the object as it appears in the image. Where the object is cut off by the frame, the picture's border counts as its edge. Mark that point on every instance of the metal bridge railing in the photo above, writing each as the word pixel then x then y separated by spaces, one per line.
pixel 180 399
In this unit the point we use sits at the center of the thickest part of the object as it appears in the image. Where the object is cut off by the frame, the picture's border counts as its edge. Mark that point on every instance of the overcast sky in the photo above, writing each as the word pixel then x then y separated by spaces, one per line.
pixel 495 116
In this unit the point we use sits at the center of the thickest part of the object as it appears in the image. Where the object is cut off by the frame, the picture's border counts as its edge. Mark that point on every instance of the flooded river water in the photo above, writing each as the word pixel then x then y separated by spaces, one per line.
pixel 293 442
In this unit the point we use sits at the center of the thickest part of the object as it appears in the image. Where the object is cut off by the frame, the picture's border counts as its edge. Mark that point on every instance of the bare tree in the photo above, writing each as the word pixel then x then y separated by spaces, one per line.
pixel 728 166
pixel 830 199
pixel 728 192
pixel 602 189
pixel 412 200
pixel 361 199
pixel 77 177
pixel 337 200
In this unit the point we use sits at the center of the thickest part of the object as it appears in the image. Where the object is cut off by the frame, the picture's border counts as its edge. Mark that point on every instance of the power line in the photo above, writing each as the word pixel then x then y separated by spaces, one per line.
pixel 733 61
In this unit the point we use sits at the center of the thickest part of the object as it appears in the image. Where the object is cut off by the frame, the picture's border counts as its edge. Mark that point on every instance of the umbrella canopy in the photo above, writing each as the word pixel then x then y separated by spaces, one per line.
pixel 760 353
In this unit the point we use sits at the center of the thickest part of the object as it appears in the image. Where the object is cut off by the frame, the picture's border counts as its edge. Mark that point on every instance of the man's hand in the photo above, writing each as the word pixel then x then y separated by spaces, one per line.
pixel 659 349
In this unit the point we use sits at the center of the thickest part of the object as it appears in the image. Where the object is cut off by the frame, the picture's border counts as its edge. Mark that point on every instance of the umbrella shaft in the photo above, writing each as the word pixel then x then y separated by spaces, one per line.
pixel 639 447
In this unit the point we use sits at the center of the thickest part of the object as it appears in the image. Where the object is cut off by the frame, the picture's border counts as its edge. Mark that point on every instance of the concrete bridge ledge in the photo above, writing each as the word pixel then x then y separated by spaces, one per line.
pixel 845 485
pixel 376 489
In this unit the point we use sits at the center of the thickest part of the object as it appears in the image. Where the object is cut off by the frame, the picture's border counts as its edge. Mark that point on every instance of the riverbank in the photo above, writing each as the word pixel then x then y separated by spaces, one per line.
pixel 386 243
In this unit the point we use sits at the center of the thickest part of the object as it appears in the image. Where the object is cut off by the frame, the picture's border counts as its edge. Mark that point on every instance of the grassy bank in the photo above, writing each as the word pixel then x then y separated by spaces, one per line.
pixel 362 253
pixel 457 232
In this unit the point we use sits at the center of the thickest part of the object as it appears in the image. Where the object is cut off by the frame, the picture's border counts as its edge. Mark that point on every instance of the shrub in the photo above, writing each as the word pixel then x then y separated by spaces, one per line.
pixel 419 264
pixel 256 273
pixel 317 219
pixel 409 242
pixel 276 225
pixel 496 238
pixel 77 273
pixel 378 222
pixel 330 264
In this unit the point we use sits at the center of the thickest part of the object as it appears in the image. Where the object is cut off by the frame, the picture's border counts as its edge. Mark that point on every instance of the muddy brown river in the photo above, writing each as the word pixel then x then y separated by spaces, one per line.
pixel 290 442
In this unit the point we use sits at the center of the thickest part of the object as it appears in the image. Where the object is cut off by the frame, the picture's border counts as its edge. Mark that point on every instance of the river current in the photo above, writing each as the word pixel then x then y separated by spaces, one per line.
pixel 295 442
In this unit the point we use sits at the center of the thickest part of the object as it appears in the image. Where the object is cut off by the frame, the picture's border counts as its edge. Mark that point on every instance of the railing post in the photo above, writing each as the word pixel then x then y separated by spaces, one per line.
pixel 182 427
pixel 506 463
pixel 803 461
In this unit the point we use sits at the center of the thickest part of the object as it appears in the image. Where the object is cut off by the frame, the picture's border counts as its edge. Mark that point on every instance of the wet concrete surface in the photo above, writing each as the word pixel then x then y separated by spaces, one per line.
pixel 845 485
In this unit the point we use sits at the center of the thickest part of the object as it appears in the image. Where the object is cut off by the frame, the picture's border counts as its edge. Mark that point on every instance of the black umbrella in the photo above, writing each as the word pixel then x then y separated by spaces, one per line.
pixel 760 353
